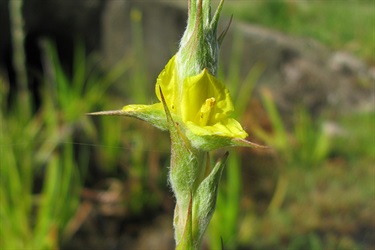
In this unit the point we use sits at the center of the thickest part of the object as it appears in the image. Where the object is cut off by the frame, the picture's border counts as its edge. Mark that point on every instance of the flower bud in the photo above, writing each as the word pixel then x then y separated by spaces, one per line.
pixel 199 46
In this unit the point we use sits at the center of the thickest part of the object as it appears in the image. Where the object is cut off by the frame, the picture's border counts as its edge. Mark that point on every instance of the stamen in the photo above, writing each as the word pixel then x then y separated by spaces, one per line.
pixel 205 111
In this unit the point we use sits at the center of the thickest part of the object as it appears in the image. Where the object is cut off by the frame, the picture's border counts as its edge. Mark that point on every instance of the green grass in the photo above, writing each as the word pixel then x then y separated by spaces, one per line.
pixel 41 174
pixel 325 208
pixel 359 131
pixel 39 179
pixel 343 25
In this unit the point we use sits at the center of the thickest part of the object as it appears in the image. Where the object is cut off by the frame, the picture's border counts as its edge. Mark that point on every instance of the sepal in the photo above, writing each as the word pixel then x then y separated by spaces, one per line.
pixel 209 142
pixel 152 114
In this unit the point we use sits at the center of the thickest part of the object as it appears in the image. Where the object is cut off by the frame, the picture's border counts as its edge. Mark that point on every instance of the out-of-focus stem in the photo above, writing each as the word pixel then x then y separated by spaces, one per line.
pixel 19 58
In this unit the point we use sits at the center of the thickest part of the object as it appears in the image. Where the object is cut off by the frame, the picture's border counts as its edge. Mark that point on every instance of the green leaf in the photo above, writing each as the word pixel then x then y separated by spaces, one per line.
pixel 205 200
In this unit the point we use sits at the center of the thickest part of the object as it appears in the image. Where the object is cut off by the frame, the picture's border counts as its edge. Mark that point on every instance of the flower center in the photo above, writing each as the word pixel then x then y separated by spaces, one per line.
pixel 205 111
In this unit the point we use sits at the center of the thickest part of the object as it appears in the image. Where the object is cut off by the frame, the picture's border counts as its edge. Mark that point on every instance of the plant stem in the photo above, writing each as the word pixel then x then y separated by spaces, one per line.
pixel 19 58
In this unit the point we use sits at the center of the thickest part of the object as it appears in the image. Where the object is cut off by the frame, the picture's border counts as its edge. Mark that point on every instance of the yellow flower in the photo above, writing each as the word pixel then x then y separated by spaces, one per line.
pixel 199 105
pixel 202 102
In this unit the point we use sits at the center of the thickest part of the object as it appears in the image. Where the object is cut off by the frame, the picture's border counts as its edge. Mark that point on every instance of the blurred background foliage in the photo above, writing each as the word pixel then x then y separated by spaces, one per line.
pixel 334 23
pixel 70 181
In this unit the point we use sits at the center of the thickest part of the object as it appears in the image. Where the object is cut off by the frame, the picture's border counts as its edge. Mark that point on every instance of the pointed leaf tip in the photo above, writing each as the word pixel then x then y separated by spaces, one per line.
pixel 223 34
pixel 246 143
pixel 109 112
pixel 225 156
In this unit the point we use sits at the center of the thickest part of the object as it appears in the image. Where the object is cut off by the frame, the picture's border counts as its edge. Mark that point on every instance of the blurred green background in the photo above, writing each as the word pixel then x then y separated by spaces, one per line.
pixel 70 181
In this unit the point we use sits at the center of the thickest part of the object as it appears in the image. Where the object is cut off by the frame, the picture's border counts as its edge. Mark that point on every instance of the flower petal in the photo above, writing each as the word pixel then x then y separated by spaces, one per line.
pixel 168 82
pixel 200 88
